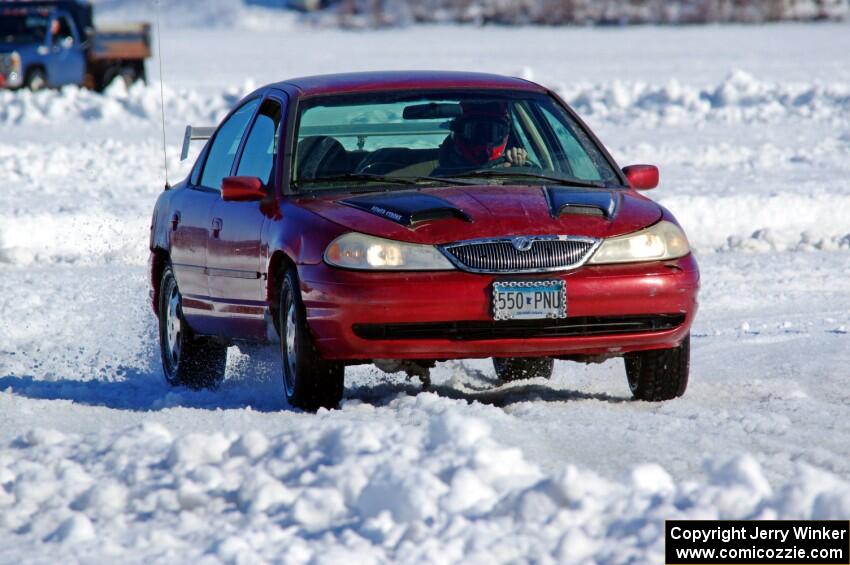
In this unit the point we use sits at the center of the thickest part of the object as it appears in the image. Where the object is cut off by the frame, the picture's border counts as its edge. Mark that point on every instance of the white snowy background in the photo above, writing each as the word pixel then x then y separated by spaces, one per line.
pixel 100 460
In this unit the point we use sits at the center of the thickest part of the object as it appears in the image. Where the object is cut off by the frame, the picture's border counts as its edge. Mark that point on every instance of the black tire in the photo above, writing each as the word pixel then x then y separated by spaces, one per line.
pixel 310 381
pixel 128 74
pixel 36 80
pixel 187 360
pixel 106 78
pixel 661 374
pixel 519 368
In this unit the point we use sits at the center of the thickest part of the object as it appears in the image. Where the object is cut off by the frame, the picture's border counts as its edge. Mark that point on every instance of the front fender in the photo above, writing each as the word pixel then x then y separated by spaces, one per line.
pixel 300 234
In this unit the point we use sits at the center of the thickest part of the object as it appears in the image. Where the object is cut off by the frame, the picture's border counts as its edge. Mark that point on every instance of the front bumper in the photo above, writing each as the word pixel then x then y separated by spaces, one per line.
pixel 340 303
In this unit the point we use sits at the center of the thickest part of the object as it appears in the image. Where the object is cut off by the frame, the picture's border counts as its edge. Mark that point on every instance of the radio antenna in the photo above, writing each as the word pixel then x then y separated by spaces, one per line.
pixel 161 93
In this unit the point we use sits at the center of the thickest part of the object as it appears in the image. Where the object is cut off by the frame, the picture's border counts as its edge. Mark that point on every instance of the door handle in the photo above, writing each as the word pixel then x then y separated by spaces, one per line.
pixel 217 224
pixel 175 221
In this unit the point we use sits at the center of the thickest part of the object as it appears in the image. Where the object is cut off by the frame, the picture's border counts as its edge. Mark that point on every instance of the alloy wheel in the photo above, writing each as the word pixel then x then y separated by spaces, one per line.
pixel 173 328
pixel 291 345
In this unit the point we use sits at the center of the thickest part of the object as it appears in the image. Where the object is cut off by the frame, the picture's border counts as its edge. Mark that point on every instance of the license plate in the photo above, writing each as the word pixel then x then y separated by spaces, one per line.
pixel 529 300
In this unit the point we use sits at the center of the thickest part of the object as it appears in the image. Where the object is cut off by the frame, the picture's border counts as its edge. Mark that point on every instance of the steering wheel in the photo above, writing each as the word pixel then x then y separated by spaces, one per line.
pixel 498 164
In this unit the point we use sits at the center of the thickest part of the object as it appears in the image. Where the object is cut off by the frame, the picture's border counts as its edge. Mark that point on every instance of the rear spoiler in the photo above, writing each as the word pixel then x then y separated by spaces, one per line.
pixel 193 134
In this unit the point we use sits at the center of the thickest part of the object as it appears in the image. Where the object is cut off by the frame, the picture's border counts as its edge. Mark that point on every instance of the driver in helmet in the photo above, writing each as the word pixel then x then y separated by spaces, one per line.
pixel 479 140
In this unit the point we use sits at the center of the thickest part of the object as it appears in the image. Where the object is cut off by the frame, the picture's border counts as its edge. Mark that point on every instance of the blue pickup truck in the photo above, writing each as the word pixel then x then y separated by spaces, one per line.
pixel 52 43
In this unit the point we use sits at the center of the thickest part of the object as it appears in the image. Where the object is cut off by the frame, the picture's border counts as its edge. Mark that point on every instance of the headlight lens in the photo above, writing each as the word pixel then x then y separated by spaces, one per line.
pixel 361 251
pixel 664 240
pixel 10 63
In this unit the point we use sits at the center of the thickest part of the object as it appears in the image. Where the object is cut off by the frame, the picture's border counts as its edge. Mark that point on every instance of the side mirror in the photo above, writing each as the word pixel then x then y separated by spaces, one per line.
pixel 242 189
pixel 642 177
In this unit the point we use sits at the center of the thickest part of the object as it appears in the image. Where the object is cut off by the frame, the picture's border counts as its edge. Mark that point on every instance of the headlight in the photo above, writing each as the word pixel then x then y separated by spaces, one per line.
pixel 10 63
pixel 664 240
pixel 360 251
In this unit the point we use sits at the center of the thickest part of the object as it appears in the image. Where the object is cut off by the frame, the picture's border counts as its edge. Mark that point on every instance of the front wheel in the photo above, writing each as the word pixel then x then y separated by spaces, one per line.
pixel 196 362
pixel 310 381
pixel 36 80
pixel 519 368
pixel 661 374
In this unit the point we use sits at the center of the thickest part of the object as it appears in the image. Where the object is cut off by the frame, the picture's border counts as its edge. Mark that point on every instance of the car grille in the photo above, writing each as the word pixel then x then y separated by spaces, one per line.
pixel 521 329
pixel 522 255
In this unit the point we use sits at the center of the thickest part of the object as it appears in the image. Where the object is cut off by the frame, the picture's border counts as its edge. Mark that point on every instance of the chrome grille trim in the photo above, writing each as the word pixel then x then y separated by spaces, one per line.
pixel 547 253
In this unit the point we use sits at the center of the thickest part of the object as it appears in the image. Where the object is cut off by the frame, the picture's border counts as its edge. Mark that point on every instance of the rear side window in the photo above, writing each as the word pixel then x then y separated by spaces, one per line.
pixel 260 151
pixel 223 150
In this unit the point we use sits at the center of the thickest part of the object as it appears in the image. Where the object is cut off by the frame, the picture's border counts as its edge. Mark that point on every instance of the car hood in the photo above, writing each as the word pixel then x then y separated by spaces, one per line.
pixel 447 214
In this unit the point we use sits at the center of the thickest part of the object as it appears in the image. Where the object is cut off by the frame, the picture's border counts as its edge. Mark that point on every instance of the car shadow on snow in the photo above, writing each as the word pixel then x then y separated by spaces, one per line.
pixel 253 381
pixel 251 384
pixel 502 396
pixel 458 380
pixel 142 394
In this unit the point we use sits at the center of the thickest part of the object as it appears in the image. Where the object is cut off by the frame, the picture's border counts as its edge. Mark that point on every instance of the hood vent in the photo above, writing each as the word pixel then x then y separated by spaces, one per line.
pixel 563 200
pixel 407 208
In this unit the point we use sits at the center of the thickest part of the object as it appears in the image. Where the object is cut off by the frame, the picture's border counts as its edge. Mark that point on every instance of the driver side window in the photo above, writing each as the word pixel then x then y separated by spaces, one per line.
pixel 260 151
pixel 61 30
pixel 225 145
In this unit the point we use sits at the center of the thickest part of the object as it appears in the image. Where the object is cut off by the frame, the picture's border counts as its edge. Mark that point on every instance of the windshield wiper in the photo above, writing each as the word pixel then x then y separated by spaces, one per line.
pixel 445 180
pixel 363 177
pixel 386 179
pixel 507 174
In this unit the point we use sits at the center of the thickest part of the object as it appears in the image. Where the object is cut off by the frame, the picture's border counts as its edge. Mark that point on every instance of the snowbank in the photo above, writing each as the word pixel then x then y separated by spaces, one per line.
pixel 368 13
pixel 739 98
pixel 443 491
pixel 782 221
pixel 176 14
pixel 133 106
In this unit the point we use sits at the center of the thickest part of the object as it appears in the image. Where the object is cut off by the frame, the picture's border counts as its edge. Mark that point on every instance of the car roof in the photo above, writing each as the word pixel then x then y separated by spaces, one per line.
pixel 404 80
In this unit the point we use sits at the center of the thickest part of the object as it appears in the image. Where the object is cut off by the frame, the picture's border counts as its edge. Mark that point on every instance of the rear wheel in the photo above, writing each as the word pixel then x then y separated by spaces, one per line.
pixel 660 374
pixel 128 74
pixel 196 362
pixel 518 368
pixel 310 382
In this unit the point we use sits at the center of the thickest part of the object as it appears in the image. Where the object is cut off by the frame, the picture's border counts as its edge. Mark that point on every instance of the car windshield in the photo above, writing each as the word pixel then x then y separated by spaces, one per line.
pixel 16 29
pixel 471 136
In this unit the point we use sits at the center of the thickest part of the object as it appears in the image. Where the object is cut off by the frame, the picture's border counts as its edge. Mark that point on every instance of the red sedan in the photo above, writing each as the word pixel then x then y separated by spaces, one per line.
pixel 407 218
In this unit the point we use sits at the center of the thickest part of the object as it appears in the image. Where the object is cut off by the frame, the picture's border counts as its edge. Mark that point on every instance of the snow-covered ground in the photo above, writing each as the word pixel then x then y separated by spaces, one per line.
pixel 100 459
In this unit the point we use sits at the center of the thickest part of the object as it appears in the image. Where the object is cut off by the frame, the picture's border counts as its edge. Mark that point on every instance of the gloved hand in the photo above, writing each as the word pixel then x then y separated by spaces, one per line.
pixel 515 157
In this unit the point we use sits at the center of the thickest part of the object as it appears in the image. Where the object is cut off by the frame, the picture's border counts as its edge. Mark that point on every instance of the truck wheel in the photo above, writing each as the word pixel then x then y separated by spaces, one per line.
pixel 196 362
pixel 660 374
pixel 128 75
pixel 36 80
pixel 310 382
pixel 518 368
